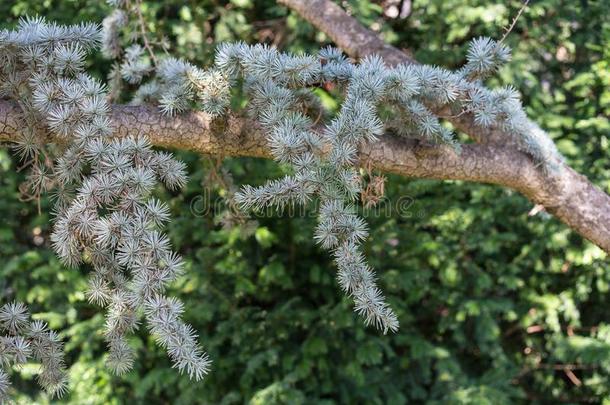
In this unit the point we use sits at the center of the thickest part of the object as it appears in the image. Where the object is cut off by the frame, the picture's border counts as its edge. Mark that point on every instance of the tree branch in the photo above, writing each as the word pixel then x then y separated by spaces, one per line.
pixel 570 197
pixel 345 31
pixel 358 42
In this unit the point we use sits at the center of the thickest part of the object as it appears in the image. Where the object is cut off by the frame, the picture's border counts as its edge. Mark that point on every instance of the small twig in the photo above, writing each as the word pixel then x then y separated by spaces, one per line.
pixel 572 377
pixel 320 113
pixel 512 25
pixel 374 190
pixel 464 111
pixel 535 210
pixel 216 175
pixel 142 25
pixel 534 329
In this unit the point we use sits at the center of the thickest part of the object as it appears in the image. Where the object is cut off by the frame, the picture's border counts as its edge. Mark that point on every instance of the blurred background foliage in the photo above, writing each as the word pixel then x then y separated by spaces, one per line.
pixel 495 306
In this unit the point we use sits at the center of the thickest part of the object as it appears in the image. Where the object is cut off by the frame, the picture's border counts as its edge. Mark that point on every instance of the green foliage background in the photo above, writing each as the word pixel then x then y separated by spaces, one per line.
pixel 493 304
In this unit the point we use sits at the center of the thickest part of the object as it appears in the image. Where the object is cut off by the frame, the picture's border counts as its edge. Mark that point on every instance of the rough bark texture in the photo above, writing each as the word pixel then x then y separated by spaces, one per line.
pixel 347 33
pixel 570 197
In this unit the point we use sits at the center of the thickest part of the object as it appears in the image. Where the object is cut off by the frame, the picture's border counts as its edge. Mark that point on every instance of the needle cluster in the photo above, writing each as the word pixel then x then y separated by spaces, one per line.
pixel 105 214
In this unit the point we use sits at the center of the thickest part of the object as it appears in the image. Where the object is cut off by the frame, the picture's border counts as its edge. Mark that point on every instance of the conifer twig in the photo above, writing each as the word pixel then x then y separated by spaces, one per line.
pixel 512 25
pixel 142 26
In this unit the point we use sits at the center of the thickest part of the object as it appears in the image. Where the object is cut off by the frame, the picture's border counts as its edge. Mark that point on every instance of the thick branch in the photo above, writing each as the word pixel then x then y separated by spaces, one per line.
pixel 570 197
pixel 347 33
